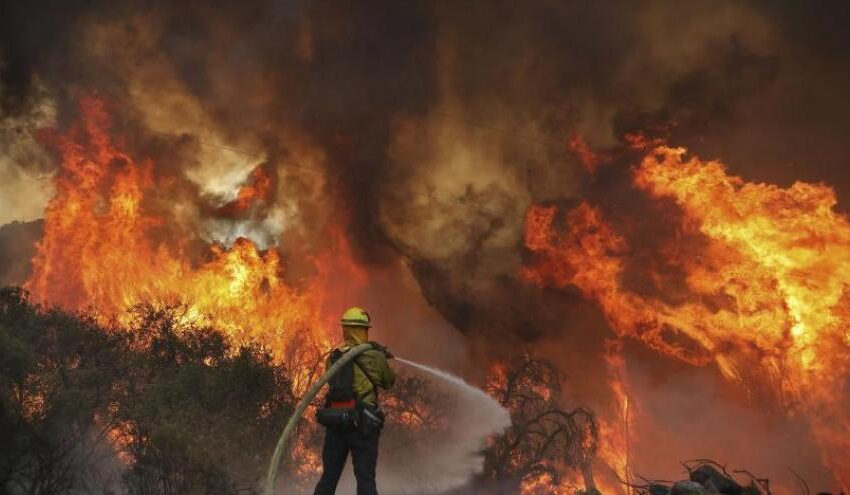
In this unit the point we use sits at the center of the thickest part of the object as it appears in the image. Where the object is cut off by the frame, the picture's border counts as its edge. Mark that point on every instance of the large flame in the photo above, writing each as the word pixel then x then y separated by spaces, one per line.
pixel 104 247
pixel 764 285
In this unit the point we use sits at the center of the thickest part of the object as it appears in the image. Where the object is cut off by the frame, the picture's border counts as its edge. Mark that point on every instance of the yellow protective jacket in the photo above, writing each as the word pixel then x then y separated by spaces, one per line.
pixel 374 363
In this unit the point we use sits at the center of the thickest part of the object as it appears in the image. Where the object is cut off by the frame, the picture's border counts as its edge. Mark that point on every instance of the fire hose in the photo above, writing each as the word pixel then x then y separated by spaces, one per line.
pixel 299 411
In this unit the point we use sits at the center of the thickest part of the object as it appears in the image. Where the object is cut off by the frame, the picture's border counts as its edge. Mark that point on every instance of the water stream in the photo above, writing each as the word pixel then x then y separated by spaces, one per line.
pixel 451 461
pixel 488 401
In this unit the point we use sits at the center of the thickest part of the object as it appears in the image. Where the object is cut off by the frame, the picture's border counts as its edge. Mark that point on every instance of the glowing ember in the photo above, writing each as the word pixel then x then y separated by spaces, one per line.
pixel 589 159
pixel 544 484
pixel 765 286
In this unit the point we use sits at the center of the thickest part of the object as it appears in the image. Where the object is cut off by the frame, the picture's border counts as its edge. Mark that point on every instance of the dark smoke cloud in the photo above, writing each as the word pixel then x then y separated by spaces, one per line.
pixel 344 77
pixel 535 73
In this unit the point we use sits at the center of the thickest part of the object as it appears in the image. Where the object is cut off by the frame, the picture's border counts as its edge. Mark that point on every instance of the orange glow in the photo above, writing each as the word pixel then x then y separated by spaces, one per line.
pixel 765 276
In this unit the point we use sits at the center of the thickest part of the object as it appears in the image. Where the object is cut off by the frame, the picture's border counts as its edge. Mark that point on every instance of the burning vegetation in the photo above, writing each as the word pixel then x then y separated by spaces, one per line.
pixel 761 292
pixel 107 245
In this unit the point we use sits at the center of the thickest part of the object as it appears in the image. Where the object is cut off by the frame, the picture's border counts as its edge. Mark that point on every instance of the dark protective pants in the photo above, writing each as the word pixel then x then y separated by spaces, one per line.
pixel 364 458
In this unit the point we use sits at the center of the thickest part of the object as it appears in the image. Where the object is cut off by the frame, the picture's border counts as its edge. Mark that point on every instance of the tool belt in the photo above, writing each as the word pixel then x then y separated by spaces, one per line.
pixel 353 414
pixel 339 418
pixel 367 418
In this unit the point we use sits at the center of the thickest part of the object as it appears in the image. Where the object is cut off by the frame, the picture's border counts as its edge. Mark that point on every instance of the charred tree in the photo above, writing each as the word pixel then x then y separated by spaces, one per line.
pixel 545 438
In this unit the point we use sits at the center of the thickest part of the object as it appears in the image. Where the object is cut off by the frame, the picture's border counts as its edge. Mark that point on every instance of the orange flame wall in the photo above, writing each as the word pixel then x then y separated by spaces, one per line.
pixel 100 250
pixel 764 289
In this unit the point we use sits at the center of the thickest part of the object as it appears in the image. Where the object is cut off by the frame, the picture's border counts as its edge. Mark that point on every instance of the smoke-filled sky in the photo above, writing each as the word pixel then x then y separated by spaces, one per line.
pixel 437 124
pixel 427 129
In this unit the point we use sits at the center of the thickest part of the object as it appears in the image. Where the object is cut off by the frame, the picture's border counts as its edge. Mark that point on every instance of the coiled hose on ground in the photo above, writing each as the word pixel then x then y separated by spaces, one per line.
pixel 299 411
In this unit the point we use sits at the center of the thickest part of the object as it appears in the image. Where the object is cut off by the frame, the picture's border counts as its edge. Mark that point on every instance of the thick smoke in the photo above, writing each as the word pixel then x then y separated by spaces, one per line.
pixel 24 165
pixel 427 129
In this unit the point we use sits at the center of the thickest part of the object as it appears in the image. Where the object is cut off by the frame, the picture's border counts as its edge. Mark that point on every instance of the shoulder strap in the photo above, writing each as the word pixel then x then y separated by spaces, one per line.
pixel 366 374
pixel 340 385
pixel 334 355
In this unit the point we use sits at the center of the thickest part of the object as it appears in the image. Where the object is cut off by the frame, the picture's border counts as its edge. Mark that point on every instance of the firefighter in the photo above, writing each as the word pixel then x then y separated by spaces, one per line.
pixel 352 415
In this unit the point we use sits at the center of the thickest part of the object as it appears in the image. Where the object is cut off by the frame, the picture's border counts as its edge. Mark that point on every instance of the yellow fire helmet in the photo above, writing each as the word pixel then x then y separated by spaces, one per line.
pixel 356 317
